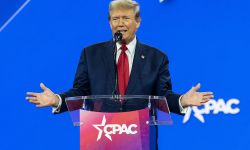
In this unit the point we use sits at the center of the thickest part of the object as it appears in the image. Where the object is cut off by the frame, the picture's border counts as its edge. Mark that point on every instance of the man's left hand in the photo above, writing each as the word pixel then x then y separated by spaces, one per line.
pixel 194 98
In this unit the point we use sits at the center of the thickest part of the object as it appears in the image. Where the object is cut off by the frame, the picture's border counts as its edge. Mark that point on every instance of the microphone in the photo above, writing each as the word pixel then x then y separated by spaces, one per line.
pixel 117 38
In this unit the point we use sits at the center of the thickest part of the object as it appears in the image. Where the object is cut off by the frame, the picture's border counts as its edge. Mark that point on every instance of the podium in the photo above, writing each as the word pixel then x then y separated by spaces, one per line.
pixel 111 122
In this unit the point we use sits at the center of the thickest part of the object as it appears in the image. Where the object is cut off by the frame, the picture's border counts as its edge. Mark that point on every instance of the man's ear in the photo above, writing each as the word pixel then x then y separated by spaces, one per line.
pixel 110 25
pixel 138 23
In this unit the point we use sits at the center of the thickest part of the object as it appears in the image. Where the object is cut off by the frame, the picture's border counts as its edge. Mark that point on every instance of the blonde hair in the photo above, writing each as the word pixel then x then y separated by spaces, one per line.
pixel 125 4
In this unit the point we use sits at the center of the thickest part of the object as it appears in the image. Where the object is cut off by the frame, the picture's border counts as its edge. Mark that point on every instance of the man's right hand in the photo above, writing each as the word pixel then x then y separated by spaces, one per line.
pixel 43 99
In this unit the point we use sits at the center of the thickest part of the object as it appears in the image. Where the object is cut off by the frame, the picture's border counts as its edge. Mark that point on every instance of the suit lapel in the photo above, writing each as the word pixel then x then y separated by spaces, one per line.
pixel 108 59
pixel 138 63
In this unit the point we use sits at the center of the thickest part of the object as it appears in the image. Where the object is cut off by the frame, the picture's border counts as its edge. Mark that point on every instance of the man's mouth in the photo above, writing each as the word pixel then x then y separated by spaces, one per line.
pixel 122 31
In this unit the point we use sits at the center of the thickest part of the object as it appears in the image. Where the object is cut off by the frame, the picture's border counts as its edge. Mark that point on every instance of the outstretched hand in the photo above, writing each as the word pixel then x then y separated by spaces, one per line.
pixel 43 99
pixel 194 98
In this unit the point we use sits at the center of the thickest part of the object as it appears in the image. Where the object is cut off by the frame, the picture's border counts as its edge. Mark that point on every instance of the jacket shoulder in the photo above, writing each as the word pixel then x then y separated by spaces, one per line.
pixel 99 45
pixel 153 51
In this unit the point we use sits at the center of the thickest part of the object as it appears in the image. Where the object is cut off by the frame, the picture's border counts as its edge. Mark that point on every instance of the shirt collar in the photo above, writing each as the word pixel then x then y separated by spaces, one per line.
pixel 130 46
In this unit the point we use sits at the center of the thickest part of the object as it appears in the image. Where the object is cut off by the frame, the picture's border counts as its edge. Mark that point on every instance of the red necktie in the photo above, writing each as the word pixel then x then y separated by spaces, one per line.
pixel 123 70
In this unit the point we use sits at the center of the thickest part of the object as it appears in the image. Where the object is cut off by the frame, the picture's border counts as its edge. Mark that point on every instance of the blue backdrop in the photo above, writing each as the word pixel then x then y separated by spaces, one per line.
pixel 207 41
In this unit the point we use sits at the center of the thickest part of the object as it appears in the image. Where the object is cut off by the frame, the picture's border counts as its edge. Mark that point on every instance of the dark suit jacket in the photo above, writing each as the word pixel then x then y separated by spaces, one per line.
pixel 150 75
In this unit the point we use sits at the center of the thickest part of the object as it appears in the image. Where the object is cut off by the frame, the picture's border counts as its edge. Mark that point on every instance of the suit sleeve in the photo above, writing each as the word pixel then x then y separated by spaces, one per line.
pixel 164 86
pixel 81 82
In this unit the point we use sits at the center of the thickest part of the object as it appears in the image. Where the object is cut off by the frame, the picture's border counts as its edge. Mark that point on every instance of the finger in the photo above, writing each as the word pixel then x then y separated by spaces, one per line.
pixel 205 100
pixel 208 97
pixel 34 102
pixel 40 105
pixel 197 87
pixel 32 94
pixel 198 104
pixel 43 87
pixel 31 98
pixel 207 93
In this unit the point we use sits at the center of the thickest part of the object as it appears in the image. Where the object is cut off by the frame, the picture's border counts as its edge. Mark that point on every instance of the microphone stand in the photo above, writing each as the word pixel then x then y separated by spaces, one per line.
pixel 115 91
pixel 117 37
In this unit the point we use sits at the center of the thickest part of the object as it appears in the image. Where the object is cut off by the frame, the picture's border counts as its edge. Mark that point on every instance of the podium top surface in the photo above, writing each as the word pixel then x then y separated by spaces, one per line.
pixel 117 97
pixel 156 105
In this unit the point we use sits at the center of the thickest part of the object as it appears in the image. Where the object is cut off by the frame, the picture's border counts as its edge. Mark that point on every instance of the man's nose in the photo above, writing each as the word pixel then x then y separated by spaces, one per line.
pixel 121 22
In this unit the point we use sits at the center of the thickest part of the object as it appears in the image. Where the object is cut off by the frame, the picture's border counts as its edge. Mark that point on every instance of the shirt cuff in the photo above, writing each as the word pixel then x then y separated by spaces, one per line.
pixel 58 108
pixel 182 110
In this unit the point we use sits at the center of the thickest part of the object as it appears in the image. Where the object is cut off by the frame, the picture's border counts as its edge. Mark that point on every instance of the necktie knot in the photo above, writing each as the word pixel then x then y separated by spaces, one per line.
pixel 124 47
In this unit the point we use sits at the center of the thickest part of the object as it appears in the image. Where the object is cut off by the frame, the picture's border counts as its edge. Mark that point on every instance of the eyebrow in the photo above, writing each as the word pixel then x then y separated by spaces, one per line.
pixel 121 16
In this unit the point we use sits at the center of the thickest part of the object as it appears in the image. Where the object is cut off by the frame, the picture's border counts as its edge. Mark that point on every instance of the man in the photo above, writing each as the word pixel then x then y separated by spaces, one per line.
pixel 142 70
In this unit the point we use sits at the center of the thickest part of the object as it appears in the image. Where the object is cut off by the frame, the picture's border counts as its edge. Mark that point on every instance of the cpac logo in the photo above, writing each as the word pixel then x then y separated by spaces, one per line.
pixel 214 107
pixel 109 129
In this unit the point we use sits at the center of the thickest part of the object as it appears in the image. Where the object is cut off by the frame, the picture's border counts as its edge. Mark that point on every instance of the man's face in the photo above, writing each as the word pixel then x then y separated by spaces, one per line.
pixel 124 20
